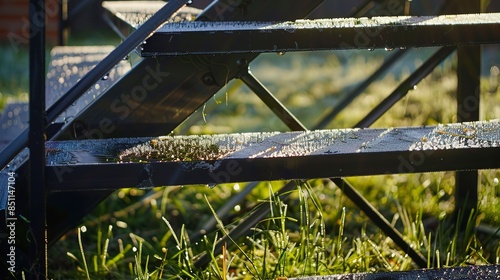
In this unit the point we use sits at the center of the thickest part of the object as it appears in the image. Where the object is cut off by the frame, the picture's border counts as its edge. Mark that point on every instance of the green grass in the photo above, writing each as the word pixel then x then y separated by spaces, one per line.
pixel 14 80
pixel 159 233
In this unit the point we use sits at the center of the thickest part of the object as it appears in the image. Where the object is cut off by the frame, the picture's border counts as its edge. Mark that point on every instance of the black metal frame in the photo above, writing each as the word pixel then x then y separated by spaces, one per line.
pixel 37 194
pixel 468 88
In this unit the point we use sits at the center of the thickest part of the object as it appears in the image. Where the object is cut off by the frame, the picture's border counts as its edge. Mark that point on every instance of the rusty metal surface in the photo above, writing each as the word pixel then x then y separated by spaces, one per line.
pixel 323 34
pixel 148 162
pixel 488 272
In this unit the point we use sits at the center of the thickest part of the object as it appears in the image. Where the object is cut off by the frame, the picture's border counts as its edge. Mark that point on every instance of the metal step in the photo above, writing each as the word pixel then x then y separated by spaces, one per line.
pixel 126 16
pixel 485 272
pixel 322 34
pixel 183 160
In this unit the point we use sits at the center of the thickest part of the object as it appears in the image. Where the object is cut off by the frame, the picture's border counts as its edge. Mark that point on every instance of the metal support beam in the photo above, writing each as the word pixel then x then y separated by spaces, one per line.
pixel 376 217
pixel 37 234
pixel 271 101
pixel 349 97
pixel 405 87
pixel 468 95
pixel 468 100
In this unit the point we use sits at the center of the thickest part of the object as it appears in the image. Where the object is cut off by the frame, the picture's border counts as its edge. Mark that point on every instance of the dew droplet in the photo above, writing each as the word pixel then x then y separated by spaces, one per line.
pixel 68 119
pixel 389 49
pixel 105 77
pixel 211 186
pixel 281 53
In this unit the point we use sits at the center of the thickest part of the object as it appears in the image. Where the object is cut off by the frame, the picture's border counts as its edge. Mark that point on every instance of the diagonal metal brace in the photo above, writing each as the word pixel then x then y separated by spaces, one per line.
pixel 271 101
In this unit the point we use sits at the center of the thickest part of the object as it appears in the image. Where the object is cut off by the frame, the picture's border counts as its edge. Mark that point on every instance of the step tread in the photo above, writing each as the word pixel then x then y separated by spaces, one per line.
pixel 389 32
pixel 275 156
pixel 466 272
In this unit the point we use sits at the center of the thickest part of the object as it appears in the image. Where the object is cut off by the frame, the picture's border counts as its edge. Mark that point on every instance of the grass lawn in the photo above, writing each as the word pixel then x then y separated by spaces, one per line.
pixel 160 233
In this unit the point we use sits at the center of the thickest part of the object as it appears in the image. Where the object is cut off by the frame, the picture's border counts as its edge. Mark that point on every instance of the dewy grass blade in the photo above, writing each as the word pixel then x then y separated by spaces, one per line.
pixel 226 233
pixel 119 256
pixel 85 267
pixel 173 232
pixel 106 245
pixel 224 268
pixel 210 251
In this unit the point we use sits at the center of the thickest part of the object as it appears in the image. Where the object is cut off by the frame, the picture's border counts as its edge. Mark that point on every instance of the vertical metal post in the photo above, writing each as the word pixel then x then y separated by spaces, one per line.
pixel 468 94
pixel 37 118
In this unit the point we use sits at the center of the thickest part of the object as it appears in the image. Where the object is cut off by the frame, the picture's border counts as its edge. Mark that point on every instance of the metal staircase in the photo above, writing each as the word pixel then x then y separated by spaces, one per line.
pixel 107 130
